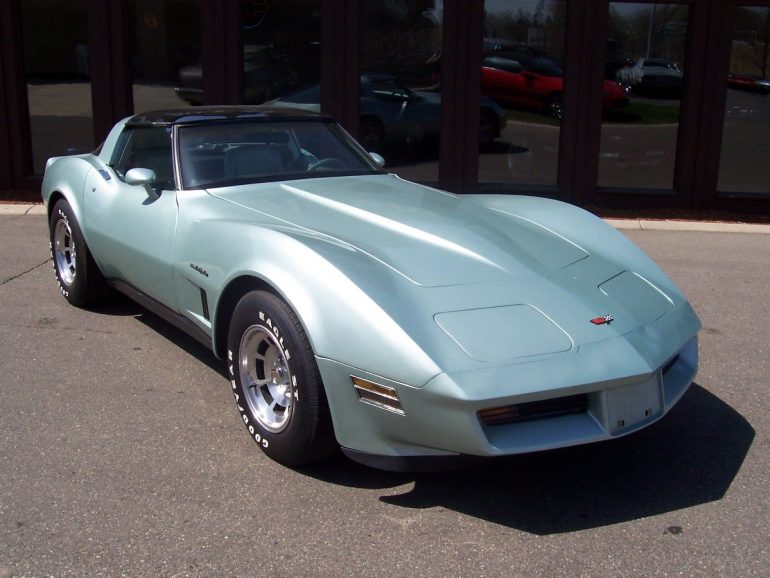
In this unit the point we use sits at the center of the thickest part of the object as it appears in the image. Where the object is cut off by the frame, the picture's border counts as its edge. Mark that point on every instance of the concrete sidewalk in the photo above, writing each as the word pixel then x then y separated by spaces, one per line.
pixel 627 224
pixel 700 226
pixel 22 209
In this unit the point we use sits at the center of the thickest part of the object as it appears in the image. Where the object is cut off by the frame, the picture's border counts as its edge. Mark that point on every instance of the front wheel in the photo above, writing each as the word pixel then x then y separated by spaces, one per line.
pixel 276 382
pixel 77 275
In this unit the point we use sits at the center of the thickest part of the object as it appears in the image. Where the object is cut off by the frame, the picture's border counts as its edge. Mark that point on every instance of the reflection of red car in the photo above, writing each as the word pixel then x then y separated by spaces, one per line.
pixel 535 84
pixel 748 82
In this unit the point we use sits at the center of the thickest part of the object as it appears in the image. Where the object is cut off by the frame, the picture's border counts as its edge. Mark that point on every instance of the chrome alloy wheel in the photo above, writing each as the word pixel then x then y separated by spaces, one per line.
pixel 267 381
pixel 64 251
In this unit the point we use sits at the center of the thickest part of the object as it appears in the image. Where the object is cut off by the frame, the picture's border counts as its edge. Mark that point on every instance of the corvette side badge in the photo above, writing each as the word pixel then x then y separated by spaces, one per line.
pixel 603 320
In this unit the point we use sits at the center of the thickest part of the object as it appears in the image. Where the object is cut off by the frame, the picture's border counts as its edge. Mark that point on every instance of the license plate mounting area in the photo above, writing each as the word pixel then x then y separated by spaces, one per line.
pixel 633 405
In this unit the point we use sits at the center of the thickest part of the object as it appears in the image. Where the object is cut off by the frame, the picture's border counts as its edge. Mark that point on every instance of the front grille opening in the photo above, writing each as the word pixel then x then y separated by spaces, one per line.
pixel 546 408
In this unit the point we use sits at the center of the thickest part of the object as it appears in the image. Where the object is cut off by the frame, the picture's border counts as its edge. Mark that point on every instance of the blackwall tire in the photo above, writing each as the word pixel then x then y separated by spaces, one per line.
pixel 77 275
pixel 276 383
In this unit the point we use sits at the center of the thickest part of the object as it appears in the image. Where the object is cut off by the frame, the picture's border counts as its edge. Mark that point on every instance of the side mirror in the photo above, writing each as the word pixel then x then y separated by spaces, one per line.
pixel 378 159
pixel 142 177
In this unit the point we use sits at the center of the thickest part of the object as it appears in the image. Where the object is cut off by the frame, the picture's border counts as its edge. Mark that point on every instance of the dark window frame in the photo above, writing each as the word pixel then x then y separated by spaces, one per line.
pixel 700 130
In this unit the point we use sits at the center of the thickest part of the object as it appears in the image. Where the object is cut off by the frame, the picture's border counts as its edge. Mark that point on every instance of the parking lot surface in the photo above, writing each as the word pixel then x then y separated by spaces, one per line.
pixel 121 453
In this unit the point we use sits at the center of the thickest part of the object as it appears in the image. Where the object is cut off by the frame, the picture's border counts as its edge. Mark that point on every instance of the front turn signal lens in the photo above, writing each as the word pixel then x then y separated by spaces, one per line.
pixel 381 396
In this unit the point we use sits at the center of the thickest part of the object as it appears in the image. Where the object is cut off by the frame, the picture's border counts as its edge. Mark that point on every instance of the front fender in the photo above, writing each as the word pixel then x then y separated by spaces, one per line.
pixel 585 230
pixel 342 320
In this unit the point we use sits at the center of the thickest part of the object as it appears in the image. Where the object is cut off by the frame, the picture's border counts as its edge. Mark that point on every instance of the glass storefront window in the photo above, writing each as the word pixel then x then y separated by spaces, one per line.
pixel 745 143
pixel 645 55
pixel 400 84
pixel 522 74
pixel 165 48
pixel 281 50
pixel 56 67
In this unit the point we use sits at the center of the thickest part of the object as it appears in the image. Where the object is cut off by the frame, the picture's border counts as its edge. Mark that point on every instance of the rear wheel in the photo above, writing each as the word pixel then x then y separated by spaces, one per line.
pixel 77 275
pixel 276 382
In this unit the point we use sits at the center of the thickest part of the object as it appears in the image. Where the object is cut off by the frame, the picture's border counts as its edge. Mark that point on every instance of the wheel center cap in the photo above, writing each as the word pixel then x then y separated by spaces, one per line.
pixel 277 374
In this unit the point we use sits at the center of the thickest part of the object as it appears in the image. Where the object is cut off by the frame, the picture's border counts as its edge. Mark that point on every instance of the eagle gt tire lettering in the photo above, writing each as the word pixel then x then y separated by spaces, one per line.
pixel 77 275
pixel 275 380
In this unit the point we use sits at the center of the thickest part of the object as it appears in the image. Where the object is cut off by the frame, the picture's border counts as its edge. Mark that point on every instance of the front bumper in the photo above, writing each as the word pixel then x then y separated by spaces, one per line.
pixel 627 383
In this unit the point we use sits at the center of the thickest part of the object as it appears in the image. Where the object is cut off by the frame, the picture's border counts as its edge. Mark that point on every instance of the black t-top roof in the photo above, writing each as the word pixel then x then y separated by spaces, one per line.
pixel 206 114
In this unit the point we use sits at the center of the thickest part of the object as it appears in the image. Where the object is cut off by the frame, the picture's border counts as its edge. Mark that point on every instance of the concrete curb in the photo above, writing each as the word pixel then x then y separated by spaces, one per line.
pixel 623 224
pixel 700 226
pixel 22 209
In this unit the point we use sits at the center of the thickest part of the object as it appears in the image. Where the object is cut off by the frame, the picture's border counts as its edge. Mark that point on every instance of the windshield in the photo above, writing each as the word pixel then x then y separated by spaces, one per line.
pixel 236 153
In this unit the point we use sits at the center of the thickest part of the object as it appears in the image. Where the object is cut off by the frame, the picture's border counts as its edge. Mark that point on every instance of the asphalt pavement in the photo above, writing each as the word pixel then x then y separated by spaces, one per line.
pixel 121 453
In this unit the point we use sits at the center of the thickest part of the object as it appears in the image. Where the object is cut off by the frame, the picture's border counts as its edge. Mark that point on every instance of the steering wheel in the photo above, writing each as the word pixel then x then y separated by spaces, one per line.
pixel 326 164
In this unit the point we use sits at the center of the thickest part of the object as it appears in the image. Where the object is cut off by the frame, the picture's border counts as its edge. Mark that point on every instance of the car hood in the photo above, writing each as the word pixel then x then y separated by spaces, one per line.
pixel 430 237
pixel 467 273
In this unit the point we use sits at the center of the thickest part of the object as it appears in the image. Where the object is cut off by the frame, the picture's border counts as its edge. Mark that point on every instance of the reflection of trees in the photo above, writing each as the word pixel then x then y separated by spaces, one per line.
pixel 658 31
pixel 541 28
pixel 402 38
pixel 164 36
pixel 291 27
pixel 55 39
pixel 751 34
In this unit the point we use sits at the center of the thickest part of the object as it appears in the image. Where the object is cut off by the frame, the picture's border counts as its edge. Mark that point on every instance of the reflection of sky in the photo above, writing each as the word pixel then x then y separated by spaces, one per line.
pixel 530 6
pixel 627 10
pixel 502 6
pixel 438 11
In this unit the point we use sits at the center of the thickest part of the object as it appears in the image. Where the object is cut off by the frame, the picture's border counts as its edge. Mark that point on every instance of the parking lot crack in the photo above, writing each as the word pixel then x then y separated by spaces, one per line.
pixel 4 281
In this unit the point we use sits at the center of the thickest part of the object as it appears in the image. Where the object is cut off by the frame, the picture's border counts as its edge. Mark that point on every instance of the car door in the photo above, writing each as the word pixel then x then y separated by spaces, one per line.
pixel 502 80
pixel 132 227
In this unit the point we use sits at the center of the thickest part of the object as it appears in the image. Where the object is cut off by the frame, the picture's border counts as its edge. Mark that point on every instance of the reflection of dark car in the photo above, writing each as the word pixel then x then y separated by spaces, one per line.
pixel 392 114
pixel 512 50
pixel 748 82
pixel 265 74
pixel 652 75
pixel 537 84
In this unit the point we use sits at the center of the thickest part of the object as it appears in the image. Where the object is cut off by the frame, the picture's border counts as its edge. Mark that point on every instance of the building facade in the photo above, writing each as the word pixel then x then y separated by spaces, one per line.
pixel 601 103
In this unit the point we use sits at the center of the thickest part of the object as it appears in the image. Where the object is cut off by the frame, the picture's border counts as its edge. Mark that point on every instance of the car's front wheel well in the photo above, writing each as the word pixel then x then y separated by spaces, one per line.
pixel 236 289
pixel 55 197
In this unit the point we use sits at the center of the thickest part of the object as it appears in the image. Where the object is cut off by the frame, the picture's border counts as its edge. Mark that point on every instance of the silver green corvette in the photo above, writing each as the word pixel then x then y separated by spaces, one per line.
pixel 411 327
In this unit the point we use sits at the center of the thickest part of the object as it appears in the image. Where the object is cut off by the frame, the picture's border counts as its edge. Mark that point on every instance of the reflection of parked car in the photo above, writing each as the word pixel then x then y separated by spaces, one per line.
pixel 265 74
pixel 512 50
pixel 409 326
pixel 652 75
pixel 615 58
pixel 392 114
pixel 536 84
pixel 748 82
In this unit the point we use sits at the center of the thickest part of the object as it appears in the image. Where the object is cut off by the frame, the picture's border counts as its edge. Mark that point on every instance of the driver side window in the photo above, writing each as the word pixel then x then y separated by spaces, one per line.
pixel 146 148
